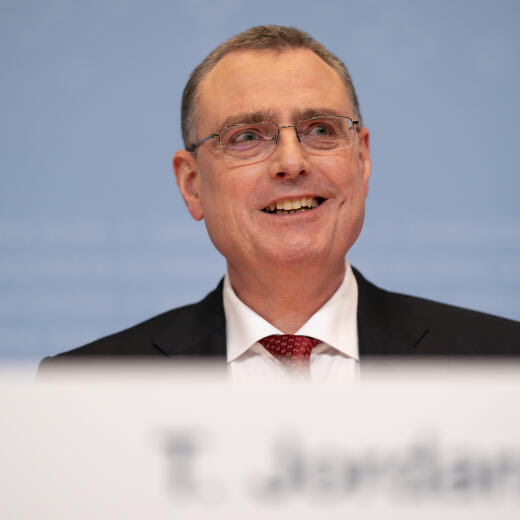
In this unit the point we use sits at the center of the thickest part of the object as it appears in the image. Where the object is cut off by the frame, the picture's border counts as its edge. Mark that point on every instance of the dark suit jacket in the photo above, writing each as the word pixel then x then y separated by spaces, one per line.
pixel 388 324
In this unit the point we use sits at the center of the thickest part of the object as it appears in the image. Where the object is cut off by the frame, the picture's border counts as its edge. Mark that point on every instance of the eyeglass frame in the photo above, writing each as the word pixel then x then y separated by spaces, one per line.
pixel 193 148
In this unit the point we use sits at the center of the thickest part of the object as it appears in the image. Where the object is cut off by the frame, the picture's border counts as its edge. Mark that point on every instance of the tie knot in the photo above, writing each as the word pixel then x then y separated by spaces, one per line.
pixel 293 351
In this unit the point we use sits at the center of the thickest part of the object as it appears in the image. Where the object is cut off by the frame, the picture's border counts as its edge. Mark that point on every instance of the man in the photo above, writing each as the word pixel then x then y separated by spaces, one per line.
pixel 277 163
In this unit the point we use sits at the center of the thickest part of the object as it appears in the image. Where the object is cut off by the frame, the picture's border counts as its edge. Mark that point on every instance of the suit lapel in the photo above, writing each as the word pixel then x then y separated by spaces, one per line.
pixel 196 330
pixel 387 322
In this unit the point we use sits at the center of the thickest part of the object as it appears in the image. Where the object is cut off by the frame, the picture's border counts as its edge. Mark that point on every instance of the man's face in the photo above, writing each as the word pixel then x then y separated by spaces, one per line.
pixel 232 197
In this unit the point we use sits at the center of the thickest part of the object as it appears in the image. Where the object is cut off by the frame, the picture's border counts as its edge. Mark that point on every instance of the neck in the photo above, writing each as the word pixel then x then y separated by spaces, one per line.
pixel 287 298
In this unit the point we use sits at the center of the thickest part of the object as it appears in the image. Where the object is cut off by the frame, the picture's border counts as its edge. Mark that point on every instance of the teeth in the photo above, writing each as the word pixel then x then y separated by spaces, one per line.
pixel 292 205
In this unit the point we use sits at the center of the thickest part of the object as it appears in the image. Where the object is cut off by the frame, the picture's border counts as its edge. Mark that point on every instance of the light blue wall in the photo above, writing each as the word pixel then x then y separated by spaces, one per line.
pixel 93 235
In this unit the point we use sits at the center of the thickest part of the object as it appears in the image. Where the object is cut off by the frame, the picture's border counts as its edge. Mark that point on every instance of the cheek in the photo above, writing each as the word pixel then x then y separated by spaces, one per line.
pixel 340 171
pixel 241 189
pixel 226 198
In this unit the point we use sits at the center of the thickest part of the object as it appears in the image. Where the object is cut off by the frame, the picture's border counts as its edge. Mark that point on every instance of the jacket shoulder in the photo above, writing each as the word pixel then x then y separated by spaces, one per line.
pixel 140 339
pixel 435 328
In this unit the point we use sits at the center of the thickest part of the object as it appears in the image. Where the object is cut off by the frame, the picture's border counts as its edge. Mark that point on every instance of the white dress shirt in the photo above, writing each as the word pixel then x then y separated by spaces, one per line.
pixel 335 360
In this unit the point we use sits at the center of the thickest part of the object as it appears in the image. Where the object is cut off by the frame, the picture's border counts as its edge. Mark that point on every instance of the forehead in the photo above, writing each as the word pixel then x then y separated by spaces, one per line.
pixel 282 84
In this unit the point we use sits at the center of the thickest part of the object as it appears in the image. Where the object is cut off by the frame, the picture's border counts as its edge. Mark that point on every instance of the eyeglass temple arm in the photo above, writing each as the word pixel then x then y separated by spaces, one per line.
pixel 193 147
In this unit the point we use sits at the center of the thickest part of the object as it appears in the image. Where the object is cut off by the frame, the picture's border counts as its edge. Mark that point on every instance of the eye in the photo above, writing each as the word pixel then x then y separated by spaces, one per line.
pixel 320 129
pixel 241 136
pixel 245 136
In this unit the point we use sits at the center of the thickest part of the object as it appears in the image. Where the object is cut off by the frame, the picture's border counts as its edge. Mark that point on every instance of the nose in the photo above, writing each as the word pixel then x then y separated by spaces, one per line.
pixel 289 159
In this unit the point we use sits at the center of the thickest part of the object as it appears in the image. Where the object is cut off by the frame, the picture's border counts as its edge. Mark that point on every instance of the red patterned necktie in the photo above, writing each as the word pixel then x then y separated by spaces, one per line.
pixel 292 351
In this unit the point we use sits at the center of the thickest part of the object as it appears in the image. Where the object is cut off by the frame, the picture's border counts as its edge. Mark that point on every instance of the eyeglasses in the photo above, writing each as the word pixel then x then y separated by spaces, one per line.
pixel 318 135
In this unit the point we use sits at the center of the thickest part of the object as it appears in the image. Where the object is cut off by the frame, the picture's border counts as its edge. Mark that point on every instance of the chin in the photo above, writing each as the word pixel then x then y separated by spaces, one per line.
pixel 294 254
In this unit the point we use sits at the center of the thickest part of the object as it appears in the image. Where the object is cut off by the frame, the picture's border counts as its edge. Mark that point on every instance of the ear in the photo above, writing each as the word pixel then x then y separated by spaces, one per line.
pixel 365 164
pixel 186 171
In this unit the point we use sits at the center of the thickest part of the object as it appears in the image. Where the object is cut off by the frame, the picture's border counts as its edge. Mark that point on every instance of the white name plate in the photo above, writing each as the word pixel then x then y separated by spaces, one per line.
pixel 411 441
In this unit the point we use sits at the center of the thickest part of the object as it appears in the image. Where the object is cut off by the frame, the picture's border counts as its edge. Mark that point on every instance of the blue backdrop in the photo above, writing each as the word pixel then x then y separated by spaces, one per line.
pixel 93 234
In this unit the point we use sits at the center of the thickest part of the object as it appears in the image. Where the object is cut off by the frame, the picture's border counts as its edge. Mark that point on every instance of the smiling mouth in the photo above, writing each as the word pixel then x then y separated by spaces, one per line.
pixel 286 206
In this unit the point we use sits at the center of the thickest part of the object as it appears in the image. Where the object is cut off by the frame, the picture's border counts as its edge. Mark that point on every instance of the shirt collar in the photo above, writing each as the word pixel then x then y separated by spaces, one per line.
pixel 335 323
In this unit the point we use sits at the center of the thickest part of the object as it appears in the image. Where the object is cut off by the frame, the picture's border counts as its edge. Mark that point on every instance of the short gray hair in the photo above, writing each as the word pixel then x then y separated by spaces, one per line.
pixel 262 37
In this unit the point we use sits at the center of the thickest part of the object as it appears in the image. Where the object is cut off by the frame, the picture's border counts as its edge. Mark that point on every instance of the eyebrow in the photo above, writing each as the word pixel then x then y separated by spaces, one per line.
pixel 261 116
pixel 248 117
pixel 313 112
